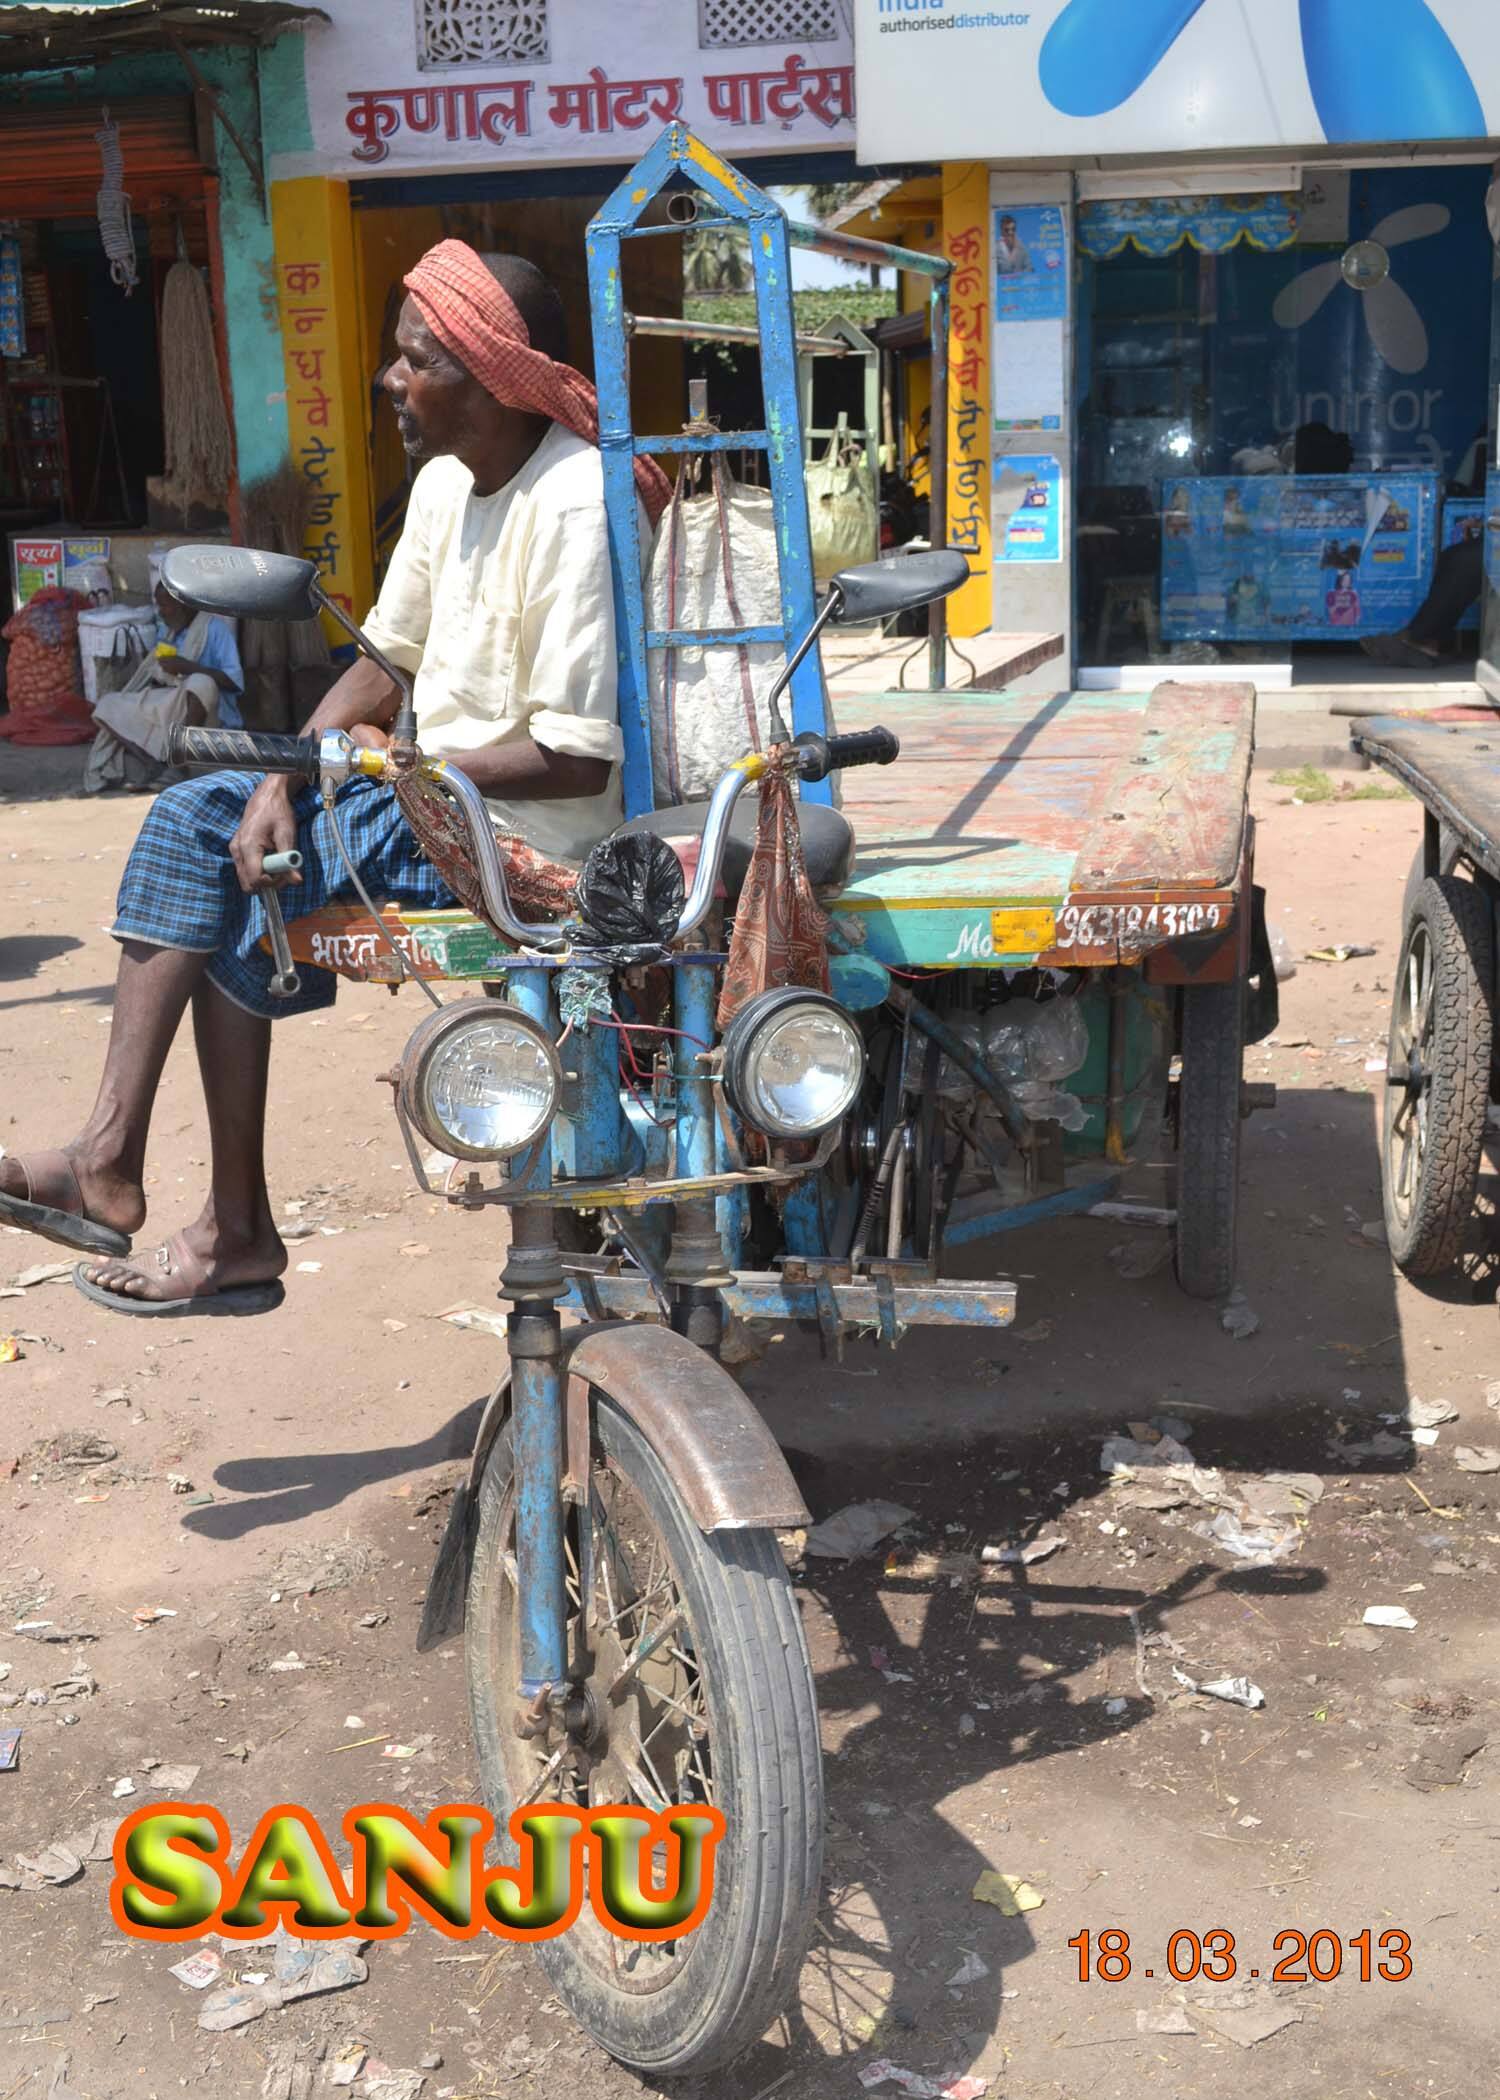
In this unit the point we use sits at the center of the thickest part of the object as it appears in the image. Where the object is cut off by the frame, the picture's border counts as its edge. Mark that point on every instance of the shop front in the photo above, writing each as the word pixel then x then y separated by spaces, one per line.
pixel 507 126
pixel 134 249
pixel 1241 340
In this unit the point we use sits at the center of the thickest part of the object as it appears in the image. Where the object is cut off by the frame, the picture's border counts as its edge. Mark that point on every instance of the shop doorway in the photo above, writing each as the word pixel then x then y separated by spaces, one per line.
pixel 1283 425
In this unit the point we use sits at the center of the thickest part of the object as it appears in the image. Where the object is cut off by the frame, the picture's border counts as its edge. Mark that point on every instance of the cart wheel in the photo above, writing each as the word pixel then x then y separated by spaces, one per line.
pixel 698 1689
pixel 1438 1074
pixel 1208 1137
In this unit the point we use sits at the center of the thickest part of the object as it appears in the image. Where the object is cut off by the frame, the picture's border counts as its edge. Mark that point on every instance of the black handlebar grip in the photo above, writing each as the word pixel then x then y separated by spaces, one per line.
pixel 244 750
pixel 823 755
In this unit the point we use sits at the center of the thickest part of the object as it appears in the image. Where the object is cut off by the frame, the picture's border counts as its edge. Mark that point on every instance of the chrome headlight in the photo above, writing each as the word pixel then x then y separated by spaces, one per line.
pixel 480 1080
pixel 794 1063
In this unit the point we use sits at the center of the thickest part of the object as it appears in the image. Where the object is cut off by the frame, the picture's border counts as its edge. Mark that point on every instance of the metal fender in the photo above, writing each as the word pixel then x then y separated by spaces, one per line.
pixel 711 1438
pixel 723 1460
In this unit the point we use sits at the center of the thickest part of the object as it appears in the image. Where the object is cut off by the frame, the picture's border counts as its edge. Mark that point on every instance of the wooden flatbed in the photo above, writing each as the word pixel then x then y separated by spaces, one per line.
pixel 1079 829
pixel 1452 767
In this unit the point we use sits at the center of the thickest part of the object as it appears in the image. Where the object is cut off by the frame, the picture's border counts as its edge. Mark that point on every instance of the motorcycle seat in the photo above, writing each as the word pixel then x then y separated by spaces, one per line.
pixel 827 839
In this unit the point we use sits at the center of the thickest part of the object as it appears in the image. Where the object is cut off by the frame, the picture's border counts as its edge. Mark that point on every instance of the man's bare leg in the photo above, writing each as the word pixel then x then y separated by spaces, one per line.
pixel 234 1238
pixel 152 990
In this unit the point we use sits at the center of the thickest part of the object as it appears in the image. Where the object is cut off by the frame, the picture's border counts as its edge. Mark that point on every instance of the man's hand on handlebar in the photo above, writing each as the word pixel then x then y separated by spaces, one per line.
pixel 269 825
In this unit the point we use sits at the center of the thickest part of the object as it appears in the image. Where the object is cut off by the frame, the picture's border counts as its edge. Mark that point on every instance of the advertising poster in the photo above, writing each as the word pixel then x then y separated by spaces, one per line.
pixel 1284 558
pixel 1028 501
pixel 953 80
pixel 1031 263
pixel 35 565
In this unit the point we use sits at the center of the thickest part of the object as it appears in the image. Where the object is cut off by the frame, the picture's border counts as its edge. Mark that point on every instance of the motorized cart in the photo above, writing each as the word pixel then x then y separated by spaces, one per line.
pixel 1041 957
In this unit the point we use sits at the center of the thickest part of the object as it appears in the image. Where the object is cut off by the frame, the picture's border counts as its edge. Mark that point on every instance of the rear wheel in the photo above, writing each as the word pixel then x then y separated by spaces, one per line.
pixel 699 1690
pixel 1438 1074
pixel 1208 1137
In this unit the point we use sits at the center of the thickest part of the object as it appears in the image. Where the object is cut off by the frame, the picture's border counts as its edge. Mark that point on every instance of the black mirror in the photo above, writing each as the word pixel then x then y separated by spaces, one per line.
pixel 900 582
pixel 242 582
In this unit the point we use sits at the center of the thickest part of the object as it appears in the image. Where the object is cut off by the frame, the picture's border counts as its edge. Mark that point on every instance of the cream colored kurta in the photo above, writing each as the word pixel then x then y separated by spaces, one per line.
pixel 502 607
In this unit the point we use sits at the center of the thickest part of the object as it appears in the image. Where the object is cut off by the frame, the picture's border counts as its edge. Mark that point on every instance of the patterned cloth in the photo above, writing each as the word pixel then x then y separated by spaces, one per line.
pixel 180 889
pixel 780 929
pixel 539 888
pixel 474 317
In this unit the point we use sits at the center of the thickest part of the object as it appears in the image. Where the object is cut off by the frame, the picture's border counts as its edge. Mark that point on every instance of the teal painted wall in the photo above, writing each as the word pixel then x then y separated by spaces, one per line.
pixel 252 324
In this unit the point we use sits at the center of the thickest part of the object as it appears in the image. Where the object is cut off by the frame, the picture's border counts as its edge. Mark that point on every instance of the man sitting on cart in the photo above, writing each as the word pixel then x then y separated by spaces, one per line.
pixel 499 601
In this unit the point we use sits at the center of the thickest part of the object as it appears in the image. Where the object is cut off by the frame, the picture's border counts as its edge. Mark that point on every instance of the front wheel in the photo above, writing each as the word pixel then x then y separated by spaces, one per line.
pixel 697 1688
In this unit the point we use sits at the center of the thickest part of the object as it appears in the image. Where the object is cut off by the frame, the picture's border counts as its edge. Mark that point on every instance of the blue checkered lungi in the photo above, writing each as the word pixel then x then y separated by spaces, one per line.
pixel 180 889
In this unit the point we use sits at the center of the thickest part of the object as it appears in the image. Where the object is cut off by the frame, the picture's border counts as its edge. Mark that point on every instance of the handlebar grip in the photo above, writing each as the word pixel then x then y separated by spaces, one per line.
pixel 244 750
pixel 823 755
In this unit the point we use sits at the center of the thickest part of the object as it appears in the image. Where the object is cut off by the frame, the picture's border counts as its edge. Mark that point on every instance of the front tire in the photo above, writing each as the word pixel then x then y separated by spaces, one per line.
pixel 727 1712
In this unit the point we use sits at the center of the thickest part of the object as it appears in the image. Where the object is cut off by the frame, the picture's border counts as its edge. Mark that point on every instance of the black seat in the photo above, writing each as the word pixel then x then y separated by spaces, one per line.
pixel 827 839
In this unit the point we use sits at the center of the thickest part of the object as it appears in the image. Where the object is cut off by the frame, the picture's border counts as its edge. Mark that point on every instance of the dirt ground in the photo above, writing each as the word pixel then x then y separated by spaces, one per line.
pixel 1030 1722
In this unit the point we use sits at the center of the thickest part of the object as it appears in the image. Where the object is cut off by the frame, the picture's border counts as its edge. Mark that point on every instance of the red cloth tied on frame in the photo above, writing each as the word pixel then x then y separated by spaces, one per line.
pixel 473 316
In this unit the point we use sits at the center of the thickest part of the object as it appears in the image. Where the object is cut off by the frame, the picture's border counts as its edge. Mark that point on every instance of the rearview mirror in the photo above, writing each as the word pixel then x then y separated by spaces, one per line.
pixel 242 582
pixel 897 584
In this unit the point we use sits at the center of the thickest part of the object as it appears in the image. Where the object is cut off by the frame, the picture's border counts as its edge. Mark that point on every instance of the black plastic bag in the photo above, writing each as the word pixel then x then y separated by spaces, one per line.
pixel 631 889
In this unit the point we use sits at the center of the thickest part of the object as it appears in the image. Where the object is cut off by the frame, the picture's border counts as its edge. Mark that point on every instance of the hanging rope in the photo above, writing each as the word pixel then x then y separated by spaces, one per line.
pixel 199 454
pixel 113 206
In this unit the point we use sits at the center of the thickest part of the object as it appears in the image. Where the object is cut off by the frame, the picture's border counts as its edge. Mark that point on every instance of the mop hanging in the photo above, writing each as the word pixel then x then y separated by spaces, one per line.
pixel 113 206
pixel 199 449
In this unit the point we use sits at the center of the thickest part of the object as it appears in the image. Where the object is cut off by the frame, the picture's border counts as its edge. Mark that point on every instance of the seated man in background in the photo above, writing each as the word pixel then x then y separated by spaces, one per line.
pixel 191 677
pixel 499 599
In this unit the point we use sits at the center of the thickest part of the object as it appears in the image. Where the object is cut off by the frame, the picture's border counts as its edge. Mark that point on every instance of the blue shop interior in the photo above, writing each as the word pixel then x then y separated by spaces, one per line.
pixel 1285 419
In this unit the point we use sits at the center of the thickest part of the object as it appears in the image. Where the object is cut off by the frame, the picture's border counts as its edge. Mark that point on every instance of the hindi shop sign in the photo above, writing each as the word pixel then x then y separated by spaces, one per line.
pixel 960 80
pixel 389 97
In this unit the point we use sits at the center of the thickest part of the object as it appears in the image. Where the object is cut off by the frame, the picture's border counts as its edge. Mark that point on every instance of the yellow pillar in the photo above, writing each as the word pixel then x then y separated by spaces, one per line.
pixel 965 239
pixel 326 384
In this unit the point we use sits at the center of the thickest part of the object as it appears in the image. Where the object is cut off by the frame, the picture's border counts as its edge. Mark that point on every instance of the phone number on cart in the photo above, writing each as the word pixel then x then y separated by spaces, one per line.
pixel 1296 1957
pixel 1103 925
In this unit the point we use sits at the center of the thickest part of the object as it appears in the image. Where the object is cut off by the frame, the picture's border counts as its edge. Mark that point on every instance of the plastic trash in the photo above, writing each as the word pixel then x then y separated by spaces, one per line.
pixel 1041 1102
pixel 855 1528
pixel 1026 1041
pixel 1283 962
pixel 1120 1453
pixel 1270 1542
pixel 1395 1615
pixel 1237 1691
pixel 1477 1458
pixel 919 2087
pixel 199 1970
pixel 1008 1892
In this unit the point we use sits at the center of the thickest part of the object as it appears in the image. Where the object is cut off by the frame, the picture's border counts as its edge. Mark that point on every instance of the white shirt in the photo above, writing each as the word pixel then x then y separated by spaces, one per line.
pixel 502 607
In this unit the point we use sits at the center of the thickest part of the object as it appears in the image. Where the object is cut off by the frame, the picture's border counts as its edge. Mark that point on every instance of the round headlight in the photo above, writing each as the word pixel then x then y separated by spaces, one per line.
pixel 480 1080
pixel 794 1063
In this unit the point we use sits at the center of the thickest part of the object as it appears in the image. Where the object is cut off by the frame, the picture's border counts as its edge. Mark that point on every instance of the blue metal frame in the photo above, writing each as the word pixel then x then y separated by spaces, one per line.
pixel 738 202
pixel 537 1410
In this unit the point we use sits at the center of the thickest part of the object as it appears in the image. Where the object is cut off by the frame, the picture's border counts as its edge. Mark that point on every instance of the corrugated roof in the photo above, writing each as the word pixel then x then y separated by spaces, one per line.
pixel 37 38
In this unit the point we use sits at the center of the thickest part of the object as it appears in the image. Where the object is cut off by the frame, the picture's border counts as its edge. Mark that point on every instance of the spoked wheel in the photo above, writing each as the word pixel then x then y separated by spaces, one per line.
pixel 1438 1074
pixel 696 1689
pixel 1208 1137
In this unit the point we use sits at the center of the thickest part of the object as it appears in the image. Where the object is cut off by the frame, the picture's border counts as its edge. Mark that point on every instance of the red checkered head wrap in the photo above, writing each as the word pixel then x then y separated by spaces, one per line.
pixel 473 316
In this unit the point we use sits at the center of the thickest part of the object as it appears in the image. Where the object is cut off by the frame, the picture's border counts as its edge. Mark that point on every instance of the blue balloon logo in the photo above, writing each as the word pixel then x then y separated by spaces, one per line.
pixel 1378 69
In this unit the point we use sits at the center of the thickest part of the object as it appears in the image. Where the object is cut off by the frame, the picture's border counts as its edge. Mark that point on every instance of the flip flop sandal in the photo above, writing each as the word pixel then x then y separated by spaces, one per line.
pixel 174 1258
pixel 53 1206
